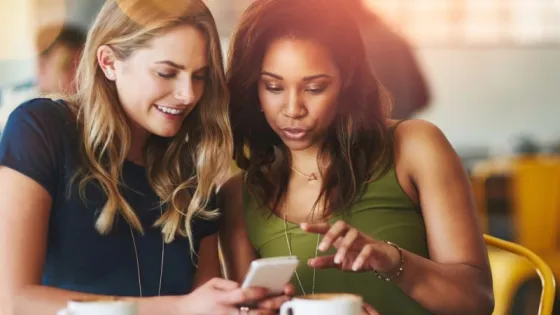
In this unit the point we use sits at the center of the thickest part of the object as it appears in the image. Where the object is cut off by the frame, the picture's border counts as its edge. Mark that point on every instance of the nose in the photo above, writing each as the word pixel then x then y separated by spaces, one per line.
pixel 184 92
pixel 294 106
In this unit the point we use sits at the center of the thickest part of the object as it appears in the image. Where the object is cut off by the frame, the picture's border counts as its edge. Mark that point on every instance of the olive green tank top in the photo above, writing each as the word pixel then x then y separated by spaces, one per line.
pixel 384 212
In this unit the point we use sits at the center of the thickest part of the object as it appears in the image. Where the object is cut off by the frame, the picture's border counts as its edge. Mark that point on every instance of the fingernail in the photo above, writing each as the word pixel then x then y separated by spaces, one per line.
pixel 322 247
pixel 356 265
pixel 337 259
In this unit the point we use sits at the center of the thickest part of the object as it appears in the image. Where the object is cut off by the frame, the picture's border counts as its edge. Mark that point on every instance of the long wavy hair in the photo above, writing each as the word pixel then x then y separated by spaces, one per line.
pixel 196 159
pixel 357 146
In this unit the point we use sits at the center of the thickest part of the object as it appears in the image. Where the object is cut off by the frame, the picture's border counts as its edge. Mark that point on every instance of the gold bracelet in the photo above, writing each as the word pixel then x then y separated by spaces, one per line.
pixel 399 270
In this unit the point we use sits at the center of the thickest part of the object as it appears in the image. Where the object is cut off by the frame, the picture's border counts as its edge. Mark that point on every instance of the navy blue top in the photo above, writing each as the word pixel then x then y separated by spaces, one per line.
pixel 40 141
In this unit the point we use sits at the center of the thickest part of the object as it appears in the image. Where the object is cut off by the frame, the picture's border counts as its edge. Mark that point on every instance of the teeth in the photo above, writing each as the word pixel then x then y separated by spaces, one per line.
pixel 171 111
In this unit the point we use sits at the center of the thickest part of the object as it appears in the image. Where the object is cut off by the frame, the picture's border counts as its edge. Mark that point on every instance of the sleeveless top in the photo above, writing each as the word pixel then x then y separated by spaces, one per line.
pixel 384 212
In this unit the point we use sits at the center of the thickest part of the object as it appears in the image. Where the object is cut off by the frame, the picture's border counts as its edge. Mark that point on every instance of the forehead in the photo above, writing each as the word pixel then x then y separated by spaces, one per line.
pixel 296 58
pixel 184 45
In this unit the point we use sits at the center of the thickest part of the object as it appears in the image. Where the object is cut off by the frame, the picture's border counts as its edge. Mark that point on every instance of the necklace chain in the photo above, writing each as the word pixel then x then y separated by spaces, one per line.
pixel 310 178
pixel 138 261
pixel 291 254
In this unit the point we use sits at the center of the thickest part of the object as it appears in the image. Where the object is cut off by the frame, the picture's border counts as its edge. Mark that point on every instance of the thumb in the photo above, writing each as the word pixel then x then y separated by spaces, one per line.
pixel 240 296
pixel 323 262
pixel 223 284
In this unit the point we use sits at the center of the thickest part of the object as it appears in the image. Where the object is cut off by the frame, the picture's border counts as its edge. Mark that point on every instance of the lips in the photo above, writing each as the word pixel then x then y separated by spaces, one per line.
pixel 294 133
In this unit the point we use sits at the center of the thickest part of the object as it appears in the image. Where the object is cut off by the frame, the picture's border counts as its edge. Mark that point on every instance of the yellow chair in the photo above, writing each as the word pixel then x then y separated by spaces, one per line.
pixel 480 174
pixel 535 193
pixel 512 265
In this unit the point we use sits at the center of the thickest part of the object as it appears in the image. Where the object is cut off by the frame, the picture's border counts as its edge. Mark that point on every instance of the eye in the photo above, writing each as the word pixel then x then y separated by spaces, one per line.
pixel 200 77
pixel 315 90
pixel 166 75
pixel 274 89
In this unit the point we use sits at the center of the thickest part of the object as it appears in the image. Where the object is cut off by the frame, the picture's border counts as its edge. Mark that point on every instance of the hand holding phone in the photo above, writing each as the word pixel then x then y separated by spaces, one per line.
pixel 271 273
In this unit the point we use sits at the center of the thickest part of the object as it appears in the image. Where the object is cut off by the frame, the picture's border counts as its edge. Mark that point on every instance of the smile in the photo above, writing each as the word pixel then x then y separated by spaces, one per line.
pixel 169 110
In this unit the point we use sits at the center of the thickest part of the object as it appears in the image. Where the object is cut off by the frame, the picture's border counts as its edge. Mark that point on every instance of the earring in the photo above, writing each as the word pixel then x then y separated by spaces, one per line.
pixel 110 75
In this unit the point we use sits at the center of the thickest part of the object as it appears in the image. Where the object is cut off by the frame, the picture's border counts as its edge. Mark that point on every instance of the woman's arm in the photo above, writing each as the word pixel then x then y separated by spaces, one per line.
pixel 234 240
pixel 457 278
pixel 24 216
pixel 208 261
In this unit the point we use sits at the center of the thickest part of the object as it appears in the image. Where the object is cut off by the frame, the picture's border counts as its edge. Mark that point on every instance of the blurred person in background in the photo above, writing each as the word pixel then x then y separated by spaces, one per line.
pixel 59 48
pixel 58 59
pixel 110 191
pixel 392 60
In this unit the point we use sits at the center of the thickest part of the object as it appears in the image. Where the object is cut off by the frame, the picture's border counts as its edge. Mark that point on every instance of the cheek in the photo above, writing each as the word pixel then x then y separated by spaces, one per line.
pixel 324 109
pixel 198 88
pixel 141 90
pixel 270 103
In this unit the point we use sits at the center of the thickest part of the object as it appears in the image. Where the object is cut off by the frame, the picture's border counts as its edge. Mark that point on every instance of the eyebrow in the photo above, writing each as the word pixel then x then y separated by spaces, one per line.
pixel 171 64
pixel 204 68
pixel 308 78
pixel 181 67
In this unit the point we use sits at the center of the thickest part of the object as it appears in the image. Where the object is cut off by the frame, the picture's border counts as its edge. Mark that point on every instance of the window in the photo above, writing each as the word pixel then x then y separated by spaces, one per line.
pixel 493 22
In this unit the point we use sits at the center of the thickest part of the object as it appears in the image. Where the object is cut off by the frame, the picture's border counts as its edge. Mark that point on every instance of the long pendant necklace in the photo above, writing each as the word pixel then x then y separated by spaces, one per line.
pixel 291 254
pixel 138 261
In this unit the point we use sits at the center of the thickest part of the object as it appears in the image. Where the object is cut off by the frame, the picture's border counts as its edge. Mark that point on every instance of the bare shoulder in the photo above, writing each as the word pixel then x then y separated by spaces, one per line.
pixel 230 196
pixel 418 138
pixel 419 134
pixel 421 144
pixel 233 183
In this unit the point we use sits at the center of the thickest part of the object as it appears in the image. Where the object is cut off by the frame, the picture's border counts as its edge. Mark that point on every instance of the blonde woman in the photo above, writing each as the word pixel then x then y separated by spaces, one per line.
pixel 110 192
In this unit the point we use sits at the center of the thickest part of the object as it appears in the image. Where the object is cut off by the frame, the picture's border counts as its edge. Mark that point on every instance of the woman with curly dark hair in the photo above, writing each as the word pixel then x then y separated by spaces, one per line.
pixel 371 206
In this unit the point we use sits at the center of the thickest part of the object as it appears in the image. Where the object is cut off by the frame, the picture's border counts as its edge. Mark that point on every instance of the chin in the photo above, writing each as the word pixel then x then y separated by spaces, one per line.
pixel 297 145
pixel 166 133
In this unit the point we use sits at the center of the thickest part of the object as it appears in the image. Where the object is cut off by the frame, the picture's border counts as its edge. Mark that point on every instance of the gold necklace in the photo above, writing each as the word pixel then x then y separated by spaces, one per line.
pixel 310 178
pixel 290 251
pixel 138 261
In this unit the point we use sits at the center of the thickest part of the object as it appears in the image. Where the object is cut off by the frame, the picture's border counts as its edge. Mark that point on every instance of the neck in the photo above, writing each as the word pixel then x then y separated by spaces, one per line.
pixel 139 137
pixel 305 161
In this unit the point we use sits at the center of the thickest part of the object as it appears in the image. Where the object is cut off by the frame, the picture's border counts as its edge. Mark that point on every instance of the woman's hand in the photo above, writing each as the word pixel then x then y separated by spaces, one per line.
pixel 274 303
pixel 355 250
pixel 223 297
pixel 368 310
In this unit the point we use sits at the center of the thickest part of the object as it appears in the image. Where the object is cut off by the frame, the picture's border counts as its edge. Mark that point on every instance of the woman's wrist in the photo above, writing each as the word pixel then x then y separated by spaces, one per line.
pixel 395 263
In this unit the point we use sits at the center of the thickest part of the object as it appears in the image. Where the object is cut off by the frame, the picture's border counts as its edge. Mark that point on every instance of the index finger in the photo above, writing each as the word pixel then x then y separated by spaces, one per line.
pixel 338 229
pixel 320 228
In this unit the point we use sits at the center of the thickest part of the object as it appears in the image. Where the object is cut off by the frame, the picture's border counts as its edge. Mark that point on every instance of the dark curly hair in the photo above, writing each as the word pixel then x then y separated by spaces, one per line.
pixel 357 147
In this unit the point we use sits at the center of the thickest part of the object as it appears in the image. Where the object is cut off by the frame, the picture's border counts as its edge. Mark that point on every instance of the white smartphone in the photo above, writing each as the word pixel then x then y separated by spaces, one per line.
pixel 271 273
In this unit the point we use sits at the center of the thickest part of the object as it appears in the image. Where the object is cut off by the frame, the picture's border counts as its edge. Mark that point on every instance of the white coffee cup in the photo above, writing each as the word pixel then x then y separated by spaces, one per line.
pixel 324 304
pixel 100 307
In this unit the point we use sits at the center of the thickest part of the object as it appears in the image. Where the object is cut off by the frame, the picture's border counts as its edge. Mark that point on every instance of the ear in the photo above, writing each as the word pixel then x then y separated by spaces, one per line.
pixel 106 59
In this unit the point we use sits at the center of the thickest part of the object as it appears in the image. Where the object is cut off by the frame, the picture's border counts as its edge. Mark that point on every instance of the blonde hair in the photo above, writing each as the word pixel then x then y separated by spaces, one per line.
pixel 197 158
